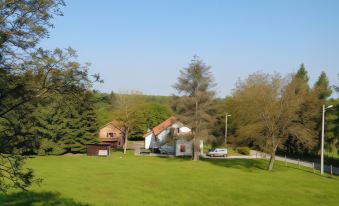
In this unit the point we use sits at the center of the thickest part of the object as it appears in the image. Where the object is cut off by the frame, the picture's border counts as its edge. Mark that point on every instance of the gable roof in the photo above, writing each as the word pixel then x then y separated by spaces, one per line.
pixel 115 123
pixel 162 126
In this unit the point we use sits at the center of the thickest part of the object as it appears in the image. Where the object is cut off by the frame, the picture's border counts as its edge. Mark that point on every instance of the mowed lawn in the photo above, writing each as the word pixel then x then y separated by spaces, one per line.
pixel 132 180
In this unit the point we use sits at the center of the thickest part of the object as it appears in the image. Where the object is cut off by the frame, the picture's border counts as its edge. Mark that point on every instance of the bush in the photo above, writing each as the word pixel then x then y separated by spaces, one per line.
pixel 243 150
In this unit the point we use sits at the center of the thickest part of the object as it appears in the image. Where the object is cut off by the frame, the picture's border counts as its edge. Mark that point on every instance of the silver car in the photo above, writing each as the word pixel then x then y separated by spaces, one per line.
pixel 217 152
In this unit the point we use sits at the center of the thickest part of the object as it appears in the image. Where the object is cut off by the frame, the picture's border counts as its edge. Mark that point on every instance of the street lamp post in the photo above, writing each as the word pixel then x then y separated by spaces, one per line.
pixel 226 115
pixel 322 139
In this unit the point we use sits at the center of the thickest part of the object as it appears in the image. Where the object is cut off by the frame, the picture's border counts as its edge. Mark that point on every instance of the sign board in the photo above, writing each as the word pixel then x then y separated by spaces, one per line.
pixel 103 153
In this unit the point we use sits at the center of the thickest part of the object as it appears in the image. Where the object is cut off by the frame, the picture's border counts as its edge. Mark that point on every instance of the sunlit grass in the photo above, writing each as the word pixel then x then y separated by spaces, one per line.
pixel 131 180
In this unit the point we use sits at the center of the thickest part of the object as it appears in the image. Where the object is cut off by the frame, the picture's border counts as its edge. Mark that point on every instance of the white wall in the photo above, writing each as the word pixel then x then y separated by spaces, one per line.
pixel 184 130
pixel 188 145
pixel 201 146
pixel 162 137
pixel 148 140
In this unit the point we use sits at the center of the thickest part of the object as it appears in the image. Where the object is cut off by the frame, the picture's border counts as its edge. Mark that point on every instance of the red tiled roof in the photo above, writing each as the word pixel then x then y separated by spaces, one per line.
pixel 162 126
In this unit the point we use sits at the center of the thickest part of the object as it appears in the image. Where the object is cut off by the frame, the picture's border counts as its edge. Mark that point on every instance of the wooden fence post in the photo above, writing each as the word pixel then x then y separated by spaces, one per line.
pixel 285 160
pixel 313 167
pixel 331 170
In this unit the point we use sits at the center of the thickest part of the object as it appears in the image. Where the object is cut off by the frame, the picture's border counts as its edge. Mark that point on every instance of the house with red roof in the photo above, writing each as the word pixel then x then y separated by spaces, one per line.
pixel 169 137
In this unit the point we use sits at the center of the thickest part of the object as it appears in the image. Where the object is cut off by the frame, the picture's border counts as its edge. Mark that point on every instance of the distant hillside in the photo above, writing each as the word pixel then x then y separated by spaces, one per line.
pixel 165 100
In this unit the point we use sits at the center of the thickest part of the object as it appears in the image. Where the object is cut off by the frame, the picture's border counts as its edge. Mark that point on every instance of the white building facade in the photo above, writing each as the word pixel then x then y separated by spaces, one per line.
pixel 161 138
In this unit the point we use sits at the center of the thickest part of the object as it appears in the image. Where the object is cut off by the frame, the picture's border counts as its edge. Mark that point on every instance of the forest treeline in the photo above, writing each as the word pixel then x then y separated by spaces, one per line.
pixel 308 98
pixel 62 125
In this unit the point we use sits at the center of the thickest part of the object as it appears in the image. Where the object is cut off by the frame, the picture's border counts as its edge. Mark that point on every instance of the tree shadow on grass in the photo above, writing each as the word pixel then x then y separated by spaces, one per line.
pixel 246 164
pixel 173 158
pixel 37 198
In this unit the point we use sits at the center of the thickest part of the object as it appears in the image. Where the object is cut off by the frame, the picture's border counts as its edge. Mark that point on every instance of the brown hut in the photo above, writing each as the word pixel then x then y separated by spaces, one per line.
pixel 98 150
pixel 112 134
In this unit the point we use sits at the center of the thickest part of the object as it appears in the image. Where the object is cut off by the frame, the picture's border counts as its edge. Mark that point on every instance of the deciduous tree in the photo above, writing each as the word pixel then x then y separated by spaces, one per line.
pixel 267 108
pixel 127 104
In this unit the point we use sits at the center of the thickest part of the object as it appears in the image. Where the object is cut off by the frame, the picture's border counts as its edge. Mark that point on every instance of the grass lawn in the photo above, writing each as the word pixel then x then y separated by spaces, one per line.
pixel 156 181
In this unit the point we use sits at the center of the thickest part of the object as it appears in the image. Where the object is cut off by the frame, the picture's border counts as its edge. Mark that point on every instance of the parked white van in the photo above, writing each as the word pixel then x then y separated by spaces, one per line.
pixel 217 152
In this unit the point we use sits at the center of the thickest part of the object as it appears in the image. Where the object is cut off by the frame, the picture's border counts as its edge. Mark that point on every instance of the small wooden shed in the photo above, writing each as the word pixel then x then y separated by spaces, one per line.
pixel 98 150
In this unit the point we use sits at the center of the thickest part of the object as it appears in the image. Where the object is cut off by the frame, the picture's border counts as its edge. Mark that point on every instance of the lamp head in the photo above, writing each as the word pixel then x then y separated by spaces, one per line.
pixel 330 106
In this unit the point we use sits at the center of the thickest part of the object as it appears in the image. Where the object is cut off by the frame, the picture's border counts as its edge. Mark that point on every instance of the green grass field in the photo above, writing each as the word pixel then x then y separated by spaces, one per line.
pixel 132 180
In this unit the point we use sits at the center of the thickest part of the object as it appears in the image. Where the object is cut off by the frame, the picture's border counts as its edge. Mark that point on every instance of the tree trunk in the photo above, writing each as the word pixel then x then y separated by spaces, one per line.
pixel 272 159
pixel 193 151
pixel 196 153
pixel 126 139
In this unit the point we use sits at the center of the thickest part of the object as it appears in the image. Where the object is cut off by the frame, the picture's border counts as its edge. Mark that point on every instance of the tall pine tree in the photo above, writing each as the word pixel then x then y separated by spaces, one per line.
pixel 308 112
pixel 66 129
pixel 322 87
pixel 194 107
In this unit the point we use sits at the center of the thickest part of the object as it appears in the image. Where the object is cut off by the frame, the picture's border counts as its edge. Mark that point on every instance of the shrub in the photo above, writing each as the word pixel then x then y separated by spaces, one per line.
pixel 243 150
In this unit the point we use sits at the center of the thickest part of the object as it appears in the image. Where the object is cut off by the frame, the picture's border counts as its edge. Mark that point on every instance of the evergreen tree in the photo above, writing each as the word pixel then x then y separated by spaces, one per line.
pixel 224 106
pixel 194 107
pixel 322 87
pixel 332 127
pixel 322 92
pixel 308 107
pixel 88 126
pixel 66 129
pixel 302 73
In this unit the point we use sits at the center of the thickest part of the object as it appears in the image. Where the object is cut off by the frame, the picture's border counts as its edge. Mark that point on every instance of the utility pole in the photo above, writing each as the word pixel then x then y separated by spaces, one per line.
pixel 226 115
pixel 322 139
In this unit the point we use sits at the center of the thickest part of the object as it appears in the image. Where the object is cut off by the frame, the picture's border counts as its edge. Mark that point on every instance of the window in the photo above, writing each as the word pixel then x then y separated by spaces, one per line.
pixel 182 148
pixel 110 134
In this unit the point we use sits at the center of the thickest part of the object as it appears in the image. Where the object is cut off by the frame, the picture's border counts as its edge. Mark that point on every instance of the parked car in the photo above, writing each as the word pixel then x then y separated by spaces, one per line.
pixel 217 152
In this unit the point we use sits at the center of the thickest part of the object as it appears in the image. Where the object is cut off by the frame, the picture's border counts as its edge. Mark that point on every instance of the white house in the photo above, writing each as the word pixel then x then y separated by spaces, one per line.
pixel 160 137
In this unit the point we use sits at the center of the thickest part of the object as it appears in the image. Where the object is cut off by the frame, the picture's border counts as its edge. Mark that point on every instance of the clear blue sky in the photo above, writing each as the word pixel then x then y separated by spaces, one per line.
pixel 142 45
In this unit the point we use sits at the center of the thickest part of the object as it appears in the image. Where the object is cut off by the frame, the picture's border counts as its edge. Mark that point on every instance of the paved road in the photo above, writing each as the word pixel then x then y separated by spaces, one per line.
pixel 327 168
pixel 253 155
